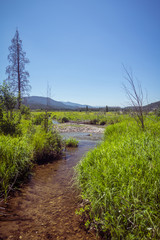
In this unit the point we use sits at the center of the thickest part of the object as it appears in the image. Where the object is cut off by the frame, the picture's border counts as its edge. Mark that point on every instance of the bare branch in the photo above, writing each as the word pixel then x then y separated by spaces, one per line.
pixel 135 96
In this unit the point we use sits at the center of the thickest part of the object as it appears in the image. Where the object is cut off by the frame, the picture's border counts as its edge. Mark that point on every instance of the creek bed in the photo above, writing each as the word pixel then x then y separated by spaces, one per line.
pixel 45 207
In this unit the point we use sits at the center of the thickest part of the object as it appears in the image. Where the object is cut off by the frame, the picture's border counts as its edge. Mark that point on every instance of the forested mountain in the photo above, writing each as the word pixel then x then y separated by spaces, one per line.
pixel 35 102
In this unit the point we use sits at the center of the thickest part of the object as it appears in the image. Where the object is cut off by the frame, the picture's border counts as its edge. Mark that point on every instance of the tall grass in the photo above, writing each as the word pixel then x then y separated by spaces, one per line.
pixel 121 181
pixel 46 146
pixel 20 151
pixel 15 161
pixel 71 142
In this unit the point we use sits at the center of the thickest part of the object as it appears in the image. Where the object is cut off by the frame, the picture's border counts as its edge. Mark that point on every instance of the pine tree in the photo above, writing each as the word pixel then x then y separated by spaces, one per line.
pixel 17 75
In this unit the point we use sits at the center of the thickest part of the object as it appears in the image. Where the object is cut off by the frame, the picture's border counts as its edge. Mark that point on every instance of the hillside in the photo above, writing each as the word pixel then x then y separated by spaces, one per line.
pixel 148 107
pixel 76 105
pixel 36 102
pixel 152 106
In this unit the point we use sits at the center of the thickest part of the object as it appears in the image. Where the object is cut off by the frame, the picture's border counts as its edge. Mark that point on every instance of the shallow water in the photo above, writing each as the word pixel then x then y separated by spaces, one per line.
pixel 83 136
pixel 45 207
pixel 55 121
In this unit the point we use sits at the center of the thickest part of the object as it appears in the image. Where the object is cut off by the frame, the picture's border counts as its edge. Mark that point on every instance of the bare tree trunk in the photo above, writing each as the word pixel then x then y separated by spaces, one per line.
pixel 135 95
pixel 19 79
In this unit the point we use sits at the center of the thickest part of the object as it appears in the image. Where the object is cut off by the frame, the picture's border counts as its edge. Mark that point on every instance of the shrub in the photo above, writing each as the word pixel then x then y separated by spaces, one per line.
pixel 1 113
pixel 38 119
pixel 25 111
pixel 94 121
pixel 71 142
pixel 65 119
pixel 8 126
pixel 102 122
pixel 46 146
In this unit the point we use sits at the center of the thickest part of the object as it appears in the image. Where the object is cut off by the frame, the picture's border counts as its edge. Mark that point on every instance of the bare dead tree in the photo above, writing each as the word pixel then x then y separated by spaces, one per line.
pixel 46 116
pixel 17 75
pixel 135 96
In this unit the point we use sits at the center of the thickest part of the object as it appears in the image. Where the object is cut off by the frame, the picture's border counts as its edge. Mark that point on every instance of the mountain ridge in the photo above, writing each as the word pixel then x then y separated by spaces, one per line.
pixel 38 102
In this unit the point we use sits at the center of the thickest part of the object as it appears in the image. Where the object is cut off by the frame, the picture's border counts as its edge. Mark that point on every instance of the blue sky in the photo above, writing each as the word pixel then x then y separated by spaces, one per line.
pixel 78 47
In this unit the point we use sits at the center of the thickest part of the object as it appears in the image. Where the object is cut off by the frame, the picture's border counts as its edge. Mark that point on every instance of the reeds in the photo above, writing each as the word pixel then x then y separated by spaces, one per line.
pixel 71 142
pixel 120 178
pixel 15 161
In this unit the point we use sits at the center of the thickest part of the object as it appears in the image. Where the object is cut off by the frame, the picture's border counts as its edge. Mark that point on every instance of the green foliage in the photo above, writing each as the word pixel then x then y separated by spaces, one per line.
pixel 46 145
pixel 9 126
pixel 42 119
pixel 102 122
pixel 7 98
pixel 25 111
pixel 94 121
pixel 38 119
pixel 71 142
pixel 1 113
pixel 120 178
pixel 65 119
pixel 14 161
pixel 29 143
pixel 46 122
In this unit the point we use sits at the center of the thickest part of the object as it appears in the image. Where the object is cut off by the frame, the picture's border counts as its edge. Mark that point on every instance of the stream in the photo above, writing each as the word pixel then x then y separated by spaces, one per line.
pixel 44 208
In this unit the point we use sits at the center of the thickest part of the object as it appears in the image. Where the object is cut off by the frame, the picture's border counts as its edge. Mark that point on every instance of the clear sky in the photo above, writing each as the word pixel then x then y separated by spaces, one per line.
pixel 78 47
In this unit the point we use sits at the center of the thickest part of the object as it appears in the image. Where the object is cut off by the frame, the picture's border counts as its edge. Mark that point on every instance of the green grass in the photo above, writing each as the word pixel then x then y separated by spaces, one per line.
pixel 89 117
pixel 31 144
pixel 15 161
pixel 46 146
pixel 71 142
pixel 121 180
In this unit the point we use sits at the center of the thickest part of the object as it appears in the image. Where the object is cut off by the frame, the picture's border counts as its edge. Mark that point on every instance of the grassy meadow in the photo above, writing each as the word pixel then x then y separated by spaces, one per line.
pixel 121 181
pixel 100 118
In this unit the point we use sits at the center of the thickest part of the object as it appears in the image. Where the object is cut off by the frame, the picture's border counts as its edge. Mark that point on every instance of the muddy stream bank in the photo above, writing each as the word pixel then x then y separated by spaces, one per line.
pixel 44 208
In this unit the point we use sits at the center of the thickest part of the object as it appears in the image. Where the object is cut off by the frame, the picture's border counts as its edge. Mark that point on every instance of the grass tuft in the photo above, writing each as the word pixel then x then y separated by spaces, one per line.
pixel 71 142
